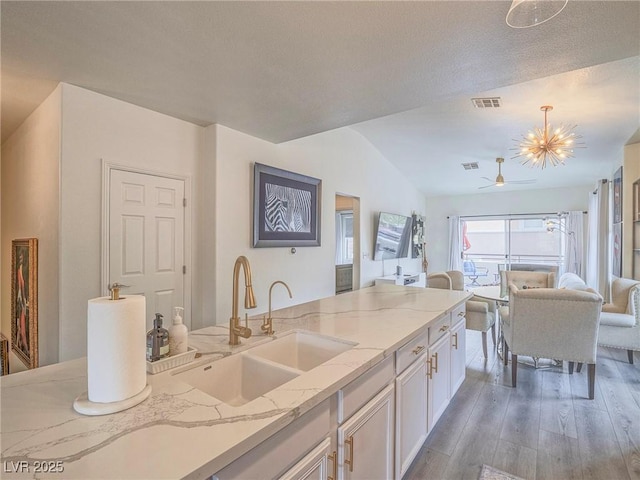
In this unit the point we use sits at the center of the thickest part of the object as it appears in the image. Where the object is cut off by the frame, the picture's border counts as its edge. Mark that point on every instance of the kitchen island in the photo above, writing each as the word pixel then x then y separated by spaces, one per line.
pixel 181 432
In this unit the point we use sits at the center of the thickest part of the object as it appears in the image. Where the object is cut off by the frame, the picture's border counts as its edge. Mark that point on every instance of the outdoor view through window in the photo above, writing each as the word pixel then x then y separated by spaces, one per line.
pixel 493 244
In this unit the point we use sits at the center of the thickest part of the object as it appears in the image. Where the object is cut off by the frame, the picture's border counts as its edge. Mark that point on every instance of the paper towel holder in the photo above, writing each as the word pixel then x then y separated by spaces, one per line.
pixel 83 405
pixel 101 404
pixel 114 290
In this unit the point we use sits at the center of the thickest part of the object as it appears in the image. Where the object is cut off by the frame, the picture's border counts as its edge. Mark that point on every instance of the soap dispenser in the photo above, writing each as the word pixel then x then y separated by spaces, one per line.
pixel 178 333
pixel 157 340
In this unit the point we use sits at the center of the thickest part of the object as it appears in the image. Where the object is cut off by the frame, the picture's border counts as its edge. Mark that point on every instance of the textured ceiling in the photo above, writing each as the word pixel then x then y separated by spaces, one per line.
pixel 403 72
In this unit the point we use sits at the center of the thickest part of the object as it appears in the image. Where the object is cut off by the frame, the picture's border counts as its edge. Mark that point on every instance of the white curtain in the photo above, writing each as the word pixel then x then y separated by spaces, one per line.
pixel 339 252
pixel 598 246
pixel 455 261
pixel 574 245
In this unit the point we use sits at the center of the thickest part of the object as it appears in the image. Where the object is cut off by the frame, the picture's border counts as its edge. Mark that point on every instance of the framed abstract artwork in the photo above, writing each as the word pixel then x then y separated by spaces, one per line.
pixel 24 300
pixel 617 196
pixel 286 208
pixel 616 247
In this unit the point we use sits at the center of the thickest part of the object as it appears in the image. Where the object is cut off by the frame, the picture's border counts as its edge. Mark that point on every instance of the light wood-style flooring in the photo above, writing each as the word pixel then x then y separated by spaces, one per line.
pixel 545 429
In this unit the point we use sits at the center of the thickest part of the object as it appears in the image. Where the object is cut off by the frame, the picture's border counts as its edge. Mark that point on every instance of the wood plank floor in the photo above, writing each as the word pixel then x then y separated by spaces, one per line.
pixel 545 429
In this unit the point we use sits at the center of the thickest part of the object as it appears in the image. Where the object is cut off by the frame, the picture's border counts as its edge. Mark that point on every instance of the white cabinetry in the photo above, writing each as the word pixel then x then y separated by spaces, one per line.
pixel 279 452
pixel 411 413
pixel 316 465
pixel 366 440
pixel 458 355
pixel 439 376
pixel 382 417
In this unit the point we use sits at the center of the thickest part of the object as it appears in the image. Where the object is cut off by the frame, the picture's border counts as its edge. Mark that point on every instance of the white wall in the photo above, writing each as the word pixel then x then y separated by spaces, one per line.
pixel 346 163
pixel 30 199
pixel 97 127
pixel 514 202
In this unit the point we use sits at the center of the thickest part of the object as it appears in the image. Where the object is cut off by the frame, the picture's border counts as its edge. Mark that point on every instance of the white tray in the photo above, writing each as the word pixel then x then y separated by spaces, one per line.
pixel 172 361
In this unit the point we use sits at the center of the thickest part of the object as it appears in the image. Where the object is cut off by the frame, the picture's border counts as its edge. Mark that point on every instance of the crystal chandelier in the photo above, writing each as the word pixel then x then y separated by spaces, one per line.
pixel 544 144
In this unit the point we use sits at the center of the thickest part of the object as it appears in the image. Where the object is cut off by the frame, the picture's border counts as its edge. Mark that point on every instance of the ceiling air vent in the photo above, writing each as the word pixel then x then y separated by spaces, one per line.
pixel 490 102
pixel 470 166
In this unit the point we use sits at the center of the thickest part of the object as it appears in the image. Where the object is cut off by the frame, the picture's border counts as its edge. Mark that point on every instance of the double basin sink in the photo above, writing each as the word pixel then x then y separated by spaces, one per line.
pixel 245 376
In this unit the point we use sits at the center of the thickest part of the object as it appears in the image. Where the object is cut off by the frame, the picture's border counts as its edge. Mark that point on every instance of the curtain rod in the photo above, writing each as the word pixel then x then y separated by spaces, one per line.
pixel 509 214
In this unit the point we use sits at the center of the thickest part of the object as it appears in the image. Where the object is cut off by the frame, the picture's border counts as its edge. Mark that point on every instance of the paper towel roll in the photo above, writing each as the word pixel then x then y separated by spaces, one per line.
pixel 116 348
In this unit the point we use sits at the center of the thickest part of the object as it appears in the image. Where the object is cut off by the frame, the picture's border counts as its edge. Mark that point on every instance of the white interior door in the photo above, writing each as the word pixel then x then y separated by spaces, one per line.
pixel 146 239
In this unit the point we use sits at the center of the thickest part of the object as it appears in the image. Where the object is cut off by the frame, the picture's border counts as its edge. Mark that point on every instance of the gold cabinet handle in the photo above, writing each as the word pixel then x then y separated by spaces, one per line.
pixel 418 349
pixel 349 441
pixel 334 460
pixel 435 362
pixel 444 328
pixel 455 340
pixel 429 368
pixel 461 314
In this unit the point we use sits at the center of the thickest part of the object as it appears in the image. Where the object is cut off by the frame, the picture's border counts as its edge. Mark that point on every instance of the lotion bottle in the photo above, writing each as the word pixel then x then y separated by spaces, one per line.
pixel 178 334
pixel 157 340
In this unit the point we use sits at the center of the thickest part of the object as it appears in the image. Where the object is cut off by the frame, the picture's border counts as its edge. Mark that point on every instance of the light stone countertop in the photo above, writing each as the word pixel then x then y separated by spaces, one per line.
pixel 181 432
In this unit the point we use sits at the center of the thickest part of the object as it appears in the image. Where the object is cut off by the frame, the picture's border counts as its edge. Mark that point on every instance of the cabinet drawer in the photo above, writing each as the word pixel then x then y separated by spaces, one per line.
pixel 439 328
pixel 280 451
pixel 363 389
pixel 457 315
pixel 410 351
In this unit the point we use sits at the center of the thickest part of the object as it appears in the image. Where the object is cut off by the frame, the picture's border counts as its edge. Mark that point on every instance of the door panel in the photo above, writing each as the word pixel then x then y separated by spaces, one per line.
pixel 146 239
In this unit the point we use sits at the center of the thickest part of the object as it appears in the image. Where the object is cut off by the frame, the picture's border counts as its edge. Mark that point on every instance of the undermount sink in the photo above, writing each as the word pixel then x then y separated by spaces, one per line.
pixel 301 350
pixel 237 379
pixel 245 376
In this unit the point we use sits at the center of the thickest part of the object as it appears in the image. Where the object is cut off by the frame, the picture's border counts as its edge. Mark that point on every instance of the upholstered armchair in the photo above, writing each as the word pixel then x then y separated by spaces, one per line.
pixel 620 319
pixel 552 323
pixel 524 279
pixel 480 313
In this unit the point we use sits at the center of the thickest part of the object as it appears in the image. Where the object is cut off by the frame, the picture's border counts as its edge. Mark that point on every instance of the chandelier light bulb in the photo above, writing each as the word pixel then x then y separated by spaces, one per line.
pixel 545 144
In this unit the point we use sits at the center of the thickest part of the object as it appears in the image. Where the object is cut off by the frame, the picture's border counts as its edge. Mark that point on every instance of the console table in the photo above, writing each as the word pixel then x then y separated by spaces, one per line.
pixel 407 279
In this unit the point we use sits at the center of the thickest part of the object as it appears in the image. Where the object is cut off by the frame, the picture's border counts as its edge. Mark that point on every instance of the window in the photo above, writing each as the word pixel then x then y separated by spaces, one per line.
pixel 509 242
pixel 344 237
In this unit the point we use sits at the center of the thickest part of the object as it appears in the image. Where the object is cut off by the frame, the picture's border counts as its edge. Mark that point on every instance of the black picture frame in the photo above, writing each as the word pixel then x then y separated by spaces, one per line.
pixel 286 208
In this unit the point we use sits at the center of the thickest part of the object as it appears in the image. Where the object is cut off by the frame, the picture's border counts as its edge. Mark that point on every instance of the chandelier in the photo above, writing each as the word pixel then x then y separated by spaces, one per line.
pixel 544 144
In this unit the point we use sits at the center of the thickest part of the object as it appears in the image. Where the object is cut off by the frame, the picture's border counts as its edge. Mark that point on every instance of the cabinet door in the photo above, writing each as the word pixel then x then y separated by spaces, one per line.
pixel 315 465
pixel 458 357
pixel 411 414
pixel 438 365
pixel 366 440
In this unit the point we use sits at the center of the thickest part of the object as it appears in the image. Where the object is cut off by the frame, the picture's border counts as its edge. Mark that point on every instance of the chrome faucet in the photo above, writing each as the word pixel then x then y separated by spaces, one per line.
pixel 235 329
pixel 267 323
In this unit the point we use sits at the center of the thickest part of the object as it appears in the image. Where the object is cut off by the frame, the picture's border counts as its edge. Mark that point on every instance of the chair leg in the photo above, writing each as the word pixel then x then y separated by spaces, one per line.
pixel 514 369
pixel 591 368
pixel 570 368
pixel 506 354
pixel 493 334
pixel 484 344
pixel 630 356
pixel 579 367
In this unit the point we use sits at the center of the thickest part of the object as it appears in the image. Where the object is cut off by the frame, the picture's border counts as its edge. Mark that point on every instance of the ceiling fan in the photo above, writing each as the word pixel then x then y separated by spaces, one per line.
pixel 499 182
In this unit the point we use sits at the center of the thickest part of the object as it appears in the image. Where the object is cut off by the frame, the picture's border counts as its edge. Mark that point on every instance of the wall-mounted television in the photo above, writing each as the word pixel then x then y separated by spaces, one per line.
pixel 393 236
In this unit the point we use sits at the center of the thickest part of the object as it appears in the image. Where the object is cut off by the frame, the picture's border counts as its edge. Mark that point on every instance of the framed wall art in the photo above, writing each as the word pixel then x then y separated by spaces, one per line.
pixel 286 208
pixel 617 196
pixel 24 300
pixel 4 354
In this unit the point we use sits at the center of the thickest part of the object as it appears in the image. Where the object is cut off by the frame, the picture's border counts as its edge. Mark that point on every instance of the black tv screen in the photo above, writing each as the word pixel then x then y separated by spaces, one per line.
pixel 393 236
